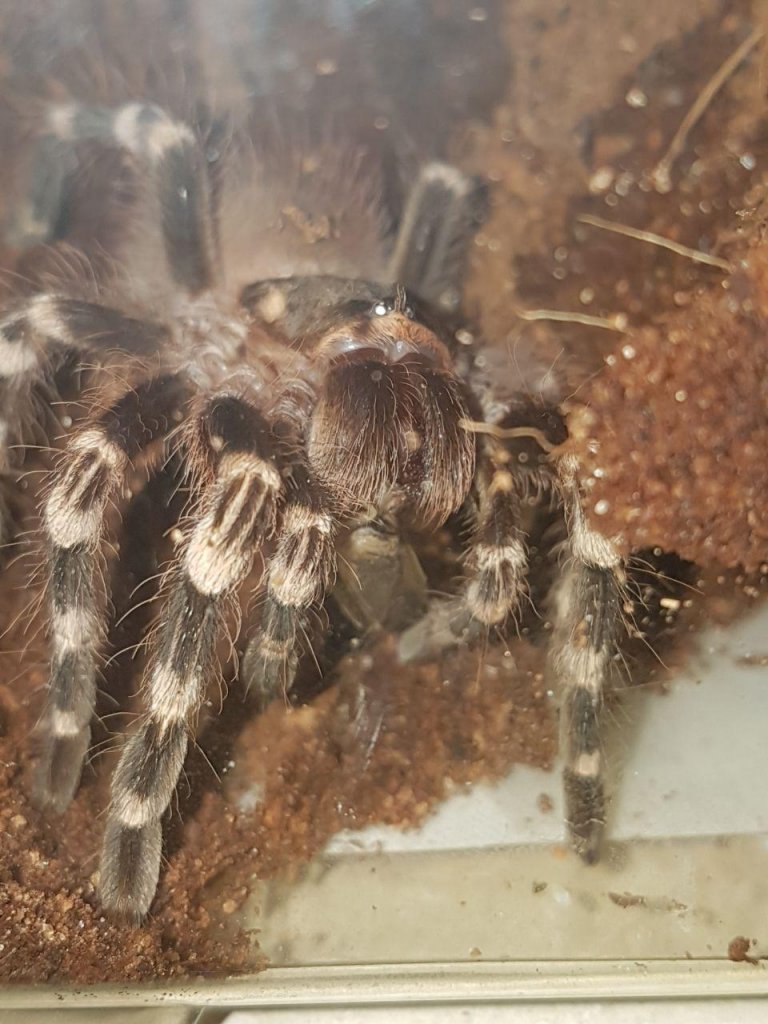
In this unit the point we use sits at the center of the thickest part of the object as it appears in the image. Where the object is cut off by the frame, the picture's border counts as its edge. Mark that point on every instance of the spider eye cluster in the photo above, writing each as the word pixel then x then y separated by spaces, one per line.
pixel 392 304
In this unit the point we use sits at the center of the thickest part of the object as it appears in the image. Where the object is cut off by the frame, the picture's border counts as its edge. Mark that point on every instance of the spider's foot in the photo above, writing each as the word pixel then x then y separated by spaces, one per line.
pixel 59 769
pixel 585 813
pixel 364 708
pixel 130 867
pixel 447 624
pixel 268 670
pixel 272 655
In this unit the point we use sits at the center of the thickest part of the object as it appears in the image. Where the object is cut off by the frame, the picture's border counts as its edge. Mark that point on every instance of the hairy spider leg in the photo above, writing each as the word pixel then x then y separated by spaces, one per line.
pixel 438 222
pixel 588 630
pixel 92 469
pixel 497 560
pixel 29 334
pixel 170 150
pixel 232 450
pixel 300 572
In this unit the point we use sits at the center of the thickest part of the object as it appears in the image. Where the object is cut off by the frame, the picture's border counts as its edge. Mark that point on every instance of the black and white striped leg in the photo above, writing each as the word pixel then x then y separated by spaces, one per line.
pixel 497 561
pixel 171 151
pixel 300 573
pixel 496 565
pixel 93 467
pixel 587 636
pixel 27 334
pixel 24 333
pixel 236 513
pixel 51 321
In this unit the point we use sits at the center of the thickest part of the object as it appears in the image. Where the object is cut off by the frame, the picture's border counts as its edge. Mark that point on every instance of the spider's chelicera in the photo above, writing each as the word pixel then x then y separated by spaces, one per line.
pixel 311 402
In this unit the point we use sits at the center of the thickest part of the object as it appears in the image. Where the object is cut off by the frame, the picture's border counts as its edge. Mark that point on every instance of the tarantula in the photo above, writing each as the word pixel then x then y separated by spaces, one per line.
pixel 310 401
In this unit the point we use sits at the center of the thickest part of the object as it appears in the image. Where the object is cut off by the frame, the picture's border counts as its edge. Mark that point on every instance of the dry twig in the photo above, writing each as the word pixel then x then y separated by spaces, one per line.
pixel 653 239
pixel 660 175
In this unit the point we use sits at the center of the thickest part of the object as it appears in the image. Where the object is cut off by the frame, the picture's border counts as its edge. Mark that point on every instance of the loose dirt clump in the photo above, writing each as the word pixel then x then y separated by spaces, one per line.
pixel 673 434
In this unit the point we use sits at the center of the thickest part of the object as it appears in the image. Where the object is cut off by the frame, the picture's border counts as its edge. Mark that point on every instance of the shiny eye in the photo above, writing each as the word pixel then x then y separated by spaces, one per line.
pixel 392 304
